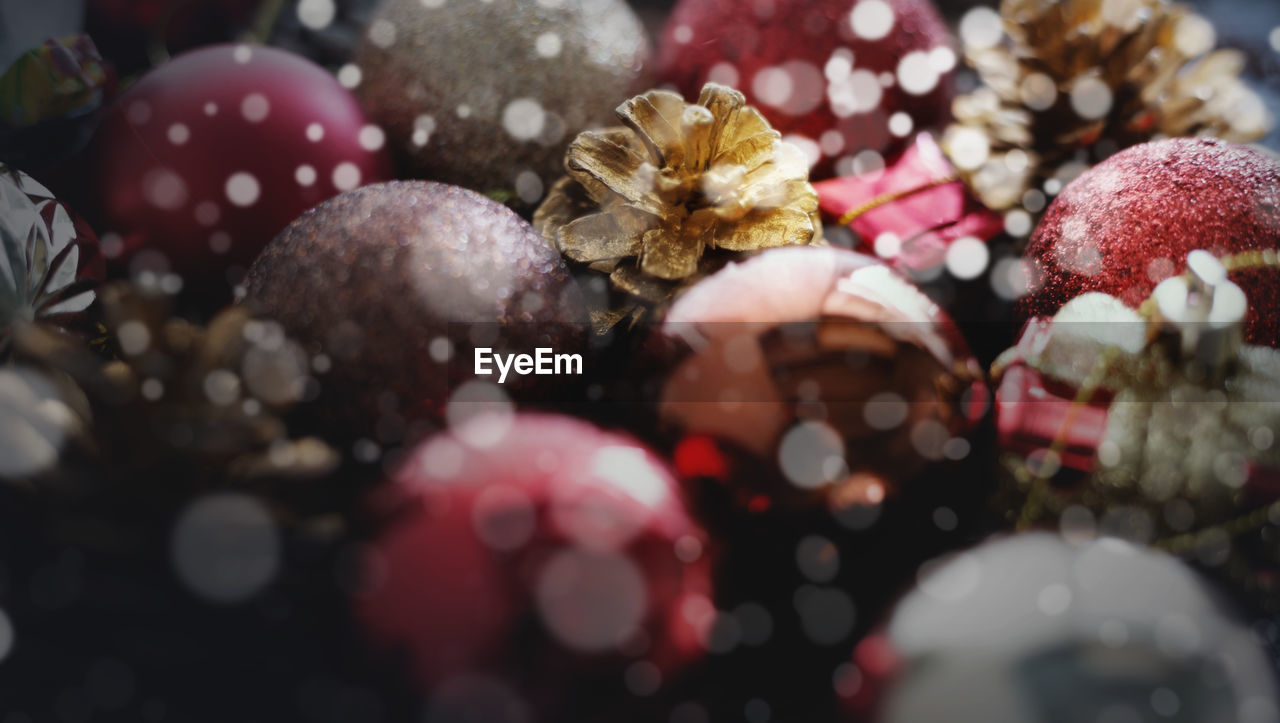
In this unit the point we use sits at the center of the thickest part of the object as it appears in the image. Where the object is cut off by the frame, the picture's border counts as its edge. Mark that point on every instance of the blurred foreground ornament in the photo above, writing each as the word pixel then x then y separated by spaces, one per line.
pixel 486 95
pixel 397 283
pixel 846 79
pixel 1066 84
pixel 678 191
pixel 49 258
pixel 1035 629
pixel 912 211
pixel 537 556
pixel 208 156
pixel 1129 223
pixel 1157 424
pixel 826 363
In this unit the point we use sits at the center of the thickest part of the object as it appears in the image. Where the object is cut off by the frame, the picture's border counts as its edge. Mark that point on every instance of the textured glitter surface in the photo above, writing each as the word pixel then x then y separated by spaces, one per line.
pixel 470 93
pixel 1130 222
pixel 374 276
pixel 809 69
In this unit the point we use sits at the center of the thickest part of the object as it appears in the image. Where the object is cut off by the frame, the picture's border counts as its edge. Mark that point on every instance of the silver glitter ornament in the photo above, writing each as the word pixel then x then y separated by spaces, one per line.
pixel 487 94
pixel 1035 629
pixel 395 284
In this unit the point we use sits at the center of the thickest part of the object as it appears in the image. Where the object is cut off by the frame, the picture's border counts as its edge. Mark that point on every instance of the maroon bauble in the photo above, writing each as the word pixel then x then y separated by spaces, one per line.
pixel 213 153
pixel 397 283
pixel 835 72
pixel 538 549
pixel 1128 223
pixel 827 366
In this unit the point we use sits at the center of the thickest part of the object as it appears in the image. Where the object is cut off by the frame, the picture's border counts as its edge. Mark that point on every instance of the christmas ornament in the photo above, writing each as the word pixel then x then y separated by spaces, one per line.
pixel 570 559
pixel 50 258
pixel 912 211
pixel 675 193
pixel 839 76
pixel 1129 223
pixel 826 362
pixel 487 95
pixel 213 153
pixel 1066 84
pixel 1051 630
pixel 414 275
pixel 1158 422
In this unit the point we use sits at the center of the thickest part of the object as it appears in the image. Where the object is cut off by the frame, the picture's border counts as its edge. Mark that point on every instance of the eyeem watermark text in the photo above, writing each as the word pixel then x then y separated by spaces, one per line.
pixel 543 361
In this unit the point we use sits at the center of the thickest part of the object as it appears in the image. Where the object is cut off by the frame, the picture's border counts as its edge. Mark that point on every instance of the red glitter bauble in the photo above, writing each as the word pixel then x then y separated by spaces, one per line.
pixel 213 153
pixel 540 551
pixel 847 75
pixel 1129 223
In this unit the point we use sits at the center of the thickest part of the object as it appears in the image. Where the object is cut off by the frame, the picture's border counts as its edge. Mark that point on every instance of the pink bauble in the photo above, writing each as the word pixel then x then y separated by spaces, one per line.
pixel 212 154
pixel 540 550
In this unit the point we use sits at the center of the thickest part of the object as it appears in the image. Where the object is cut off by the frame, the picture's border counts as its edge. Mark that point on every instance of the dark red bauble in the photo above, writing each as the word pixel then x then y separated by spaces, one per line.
pixel 397 283
pixel 535 548
pixel 824 365
pixel 213 153
pixel 1128 223
pixel 835 72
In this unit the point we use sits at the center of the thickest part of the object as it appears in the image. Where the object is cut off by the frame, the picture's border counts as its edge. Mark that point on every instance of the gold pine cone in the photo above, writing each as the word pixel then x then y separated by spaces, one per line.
pixel 675 192
pixel 1066 83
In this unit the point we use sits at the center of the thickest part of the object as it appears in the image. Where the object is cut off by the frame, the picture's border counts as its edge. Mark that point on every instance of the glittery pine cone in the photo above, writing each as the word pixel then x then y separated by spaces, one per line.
pixel 1065 84
pixel 676 192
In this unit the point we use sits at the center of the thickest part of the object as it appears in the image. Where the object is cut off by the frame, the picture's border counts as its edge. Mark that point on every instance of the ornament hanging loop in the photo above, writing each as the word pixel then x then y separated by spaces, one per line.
pixel 1203 314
